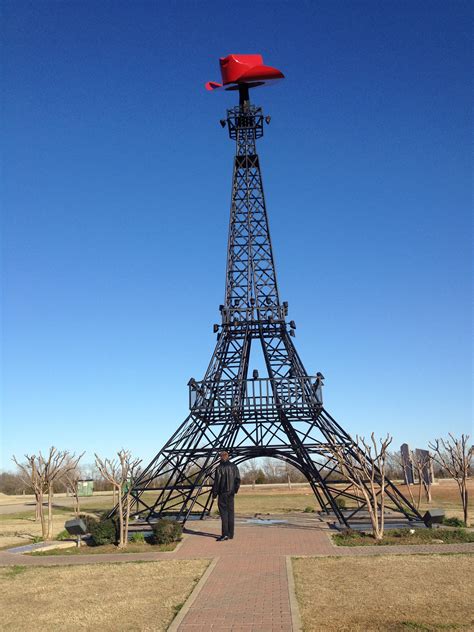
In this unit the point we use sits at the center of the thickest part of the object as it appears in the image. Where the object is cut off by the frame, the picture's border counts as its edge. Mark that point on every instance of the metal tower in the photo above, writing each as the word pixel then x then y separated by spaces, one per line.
pixel 277 415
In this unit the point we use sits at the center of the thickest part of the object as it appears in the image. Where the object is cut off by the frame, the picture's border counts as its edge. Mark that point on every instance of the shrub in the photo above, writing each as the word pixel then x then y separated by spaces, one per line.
pixel 103 532
pixel 454 522
pixel 137 537
pixel 63 535
pixel 167 531
pixel 88 520
pixel 36 539
pixel 341 502
pixel 350 533
pixel 309 510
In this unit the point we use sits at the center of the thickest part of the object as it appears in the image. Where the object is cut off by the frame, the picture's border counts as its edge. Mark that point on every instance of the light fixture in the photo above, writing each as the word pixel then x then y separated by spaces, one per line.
pixel 222 122
pixel 268 119
pixel 292 333
pixel 215 328
pixel 76 527
pixel 292 324
pixel 255 374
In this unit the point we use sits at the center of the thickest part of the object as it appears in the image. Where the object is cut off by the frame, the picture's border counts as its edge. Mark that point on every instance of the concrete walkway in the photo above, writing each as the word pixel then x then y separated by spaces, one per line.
pixel 248 588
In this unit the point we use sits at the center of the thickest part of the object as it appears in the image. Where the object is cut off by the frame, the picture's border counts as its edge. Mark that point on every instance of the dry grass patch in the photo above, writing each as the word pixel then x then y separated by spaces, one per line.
pixel 396 593
pixel 132 547
pixel 272 501
pixel 108 597
pixel 19 529
pixel 445 496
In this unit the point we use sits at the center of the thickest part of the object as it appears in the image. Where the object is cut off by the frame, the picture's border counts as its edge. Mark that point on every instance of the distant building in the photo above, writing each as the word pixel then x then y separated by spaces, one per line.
pixel 85 487
pixel 407 464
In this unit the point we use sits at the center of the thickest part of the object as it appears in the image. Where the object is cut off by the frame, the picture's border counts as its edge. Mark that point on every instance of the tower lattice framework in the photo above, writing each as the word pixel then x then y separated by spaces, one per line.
pixel 276 416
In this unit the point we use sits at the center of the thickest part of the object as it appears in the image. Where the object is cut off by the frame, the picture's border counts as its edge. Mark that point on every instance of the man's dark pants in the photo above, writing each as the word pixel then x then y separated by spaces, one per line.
pixel 226 510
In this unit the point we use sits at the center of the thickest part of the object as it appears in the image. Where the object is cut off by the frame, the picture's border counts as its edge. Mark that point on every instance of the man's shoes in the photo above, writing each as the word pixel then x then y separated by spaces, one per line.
pixel 222 538
pixel 231 537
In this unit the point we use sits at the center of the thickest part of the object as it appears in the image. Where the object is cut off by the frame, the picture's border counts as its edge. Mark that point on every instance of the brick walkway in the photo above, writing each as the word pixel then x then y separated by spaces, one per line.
pixel 247 590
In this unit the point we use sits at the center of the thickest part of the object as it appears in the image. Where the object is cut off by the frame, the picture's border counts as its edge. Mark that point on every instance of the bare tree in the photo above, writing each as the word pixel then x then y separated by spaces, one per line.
pixel 404 467
pixel 121 473
pixel 394 468
pixel 249 472
pixel 12 483
pixel 422 462
pixel 365 469
pixel 32 478
pixel 273 470
pixel 455 456
pixel 71 479
pixel 42 472
pixel 54 466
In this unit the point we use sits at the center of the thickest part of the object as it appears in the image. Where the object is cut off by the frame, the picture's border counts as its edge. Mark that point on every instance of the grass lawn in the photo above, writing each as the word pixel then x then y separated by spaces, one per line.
pixel 269 501
pixel 132 547
pixel 108 597
pixel 392 593
pixel 19 527
pixel 403 536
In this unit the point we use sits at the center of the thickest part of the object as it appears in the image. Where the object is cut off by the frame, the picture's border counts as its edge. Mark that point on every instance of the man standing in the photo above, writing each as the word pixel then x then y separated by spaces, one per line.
pixel 226 485
pixel 318 387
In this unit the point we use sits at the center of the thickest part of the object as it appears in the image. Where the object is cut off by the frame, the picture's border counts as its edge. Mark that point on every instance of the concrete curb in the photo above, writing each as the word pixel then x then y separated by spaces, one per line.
pixel 295 611
pixel 174 627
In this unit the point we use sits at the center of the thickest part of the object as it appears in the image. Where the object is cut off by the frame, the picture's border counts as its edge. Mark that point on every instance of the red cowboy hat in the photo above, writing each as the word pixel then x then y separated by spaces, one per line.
pixel 244 69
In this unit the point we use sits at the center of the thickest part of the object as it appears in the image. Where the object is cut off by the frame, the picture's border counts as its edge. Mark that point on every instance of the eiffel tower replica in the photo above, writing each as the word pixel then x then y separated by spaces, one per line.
pixel 279 415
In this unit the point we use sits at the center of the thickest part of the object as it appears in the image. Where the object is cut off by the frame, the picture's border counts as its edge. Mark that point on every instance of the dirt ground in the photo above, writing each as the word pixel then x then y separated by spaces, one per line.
pixel 133 596
pixel 416 592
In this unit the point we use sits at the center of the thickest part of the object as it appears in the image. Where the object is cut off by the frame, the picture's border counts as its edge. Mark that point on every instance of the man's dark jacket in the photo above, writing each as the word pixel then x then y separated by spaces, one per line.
pixel 226 479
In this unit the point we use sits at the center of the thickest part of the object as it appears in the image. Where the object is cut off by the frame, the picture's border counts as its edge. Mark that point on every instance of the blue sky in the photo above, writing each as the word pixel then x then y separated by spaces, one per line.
pixel 116 186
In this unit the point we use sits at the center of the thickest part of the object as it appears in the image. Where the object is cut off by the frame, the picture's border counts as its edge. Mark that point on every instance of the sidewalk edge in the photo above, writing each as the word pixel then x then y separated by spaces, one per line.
pixel 174 626
pixel 295 611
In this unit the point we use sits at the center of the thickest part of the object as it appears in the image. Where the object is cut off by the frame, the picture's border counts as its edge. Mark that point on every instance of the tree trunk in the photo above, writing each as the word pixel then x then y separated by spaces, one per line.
pixel 410 491
pixel 127 519
pixel 428 492
pixel 38 506
pixel 49 535
pixel 419 494
pixel 465 505
pixel 76 503
pixel 41 515
pixel 120 512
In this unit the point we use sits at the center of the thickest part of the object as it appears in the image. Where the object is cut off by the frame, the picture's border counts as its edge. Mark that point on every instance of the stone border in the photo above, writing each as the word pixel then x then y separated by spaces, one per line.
pixel 294 608
pixel 174 626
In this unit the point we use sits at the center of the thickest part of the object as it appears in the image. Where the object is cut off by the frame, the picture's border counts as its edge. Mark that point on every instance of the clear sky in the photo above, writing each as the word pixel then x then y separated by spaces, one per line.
pixel 116 187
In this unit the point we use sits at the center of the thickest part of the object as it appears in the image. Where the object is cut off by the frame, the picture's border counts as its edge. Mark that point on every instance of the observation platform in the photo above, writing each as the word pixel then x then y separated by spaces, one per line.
pixel 260 398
